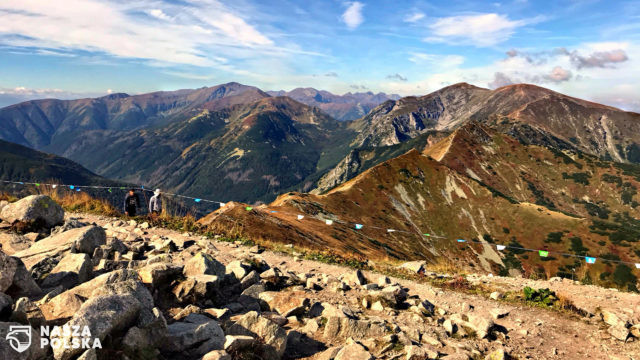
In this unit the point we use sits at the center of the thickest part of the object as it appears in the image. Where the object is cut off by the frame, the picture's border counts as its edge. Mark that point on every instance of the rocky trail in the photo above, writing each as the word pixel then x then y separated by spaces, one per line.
pixel 149 293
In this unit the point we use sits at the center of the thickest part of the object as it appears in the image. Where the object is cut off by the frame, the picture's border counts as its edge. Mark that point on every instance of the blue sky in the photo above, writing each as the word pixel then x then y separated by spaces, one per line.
pixel 76 48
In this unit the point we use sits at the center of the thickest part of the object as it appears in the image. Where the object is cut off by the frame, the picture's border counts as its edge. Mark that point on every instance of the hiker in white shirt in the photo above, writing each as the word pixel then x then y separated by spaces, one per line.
pixel 155 204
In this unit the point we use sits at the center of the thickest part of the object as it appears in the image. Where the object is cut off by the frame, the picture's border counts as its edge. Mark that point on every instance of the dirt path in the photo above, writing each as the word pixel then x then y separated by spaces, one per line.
pixel 531 332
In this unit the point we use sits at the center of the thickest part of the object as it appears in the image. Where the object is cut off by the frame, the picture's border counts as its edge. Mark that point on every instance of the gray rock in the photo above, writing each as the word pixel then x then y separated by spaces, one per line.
pixel 273 337
pixel 415 267
pixel 353 351
pixel 217 355
pixel 159 274
pixel 15 280
pixel 33 212
pixel 234 343
pixel 196 289
pixel 84 240
pixel 88 238
pixel 204 264
pixel 28 313
pixel 103 316
pixel 195 330
pixel 420 353
pixel 12 243
pixel 73 269
pixel 342 328
pixel 238 268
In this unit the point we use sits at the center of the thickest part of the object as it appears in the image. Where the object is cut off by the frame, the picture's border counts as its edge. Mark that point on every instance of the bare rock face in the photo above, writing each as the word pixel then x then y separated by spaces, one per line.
pixel 33 212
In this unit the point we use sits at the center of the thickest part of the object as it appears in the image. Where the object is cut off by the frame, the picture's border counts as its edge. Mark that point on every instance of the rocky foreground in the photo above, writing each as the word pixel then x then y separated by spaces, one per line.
pixel 146 293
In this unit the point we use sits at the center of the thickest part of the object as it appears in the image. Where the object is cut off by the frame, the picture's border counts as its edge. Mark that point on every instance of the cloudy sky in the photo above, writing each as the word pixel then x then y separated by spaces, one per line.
pixel 75 48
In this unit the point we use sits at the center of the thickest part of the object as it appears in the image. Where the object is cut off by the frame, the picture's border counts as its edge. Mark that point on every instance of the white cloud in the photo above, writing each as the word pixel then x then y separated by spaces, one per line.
pixel 353 15
pixel 553 69
pixel 414 17
pixel 478 30
pixel 159 14
pixel 440 61
pixel 558 74
pixel 196 33
pixel 14 95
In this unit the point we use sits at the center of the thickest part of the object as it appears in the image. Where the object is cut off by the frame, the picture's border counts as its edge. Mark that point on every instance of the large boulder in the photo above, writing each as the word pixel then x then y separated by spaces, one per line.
pixel 197 334
pixel 339 328
pixel 72 270
pixel 272 338
pixel 287 303
pixel 79 240
pixel 33 212
pixel 15 280
pixel 62 307
pixel 159 275
pixel 103 316
pixel 204 264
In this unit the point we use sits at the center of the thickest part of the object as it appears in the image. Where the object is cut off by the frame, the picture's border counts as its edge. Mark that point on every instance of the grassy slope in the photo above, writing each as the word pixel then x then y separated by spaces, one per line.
pixel 416 193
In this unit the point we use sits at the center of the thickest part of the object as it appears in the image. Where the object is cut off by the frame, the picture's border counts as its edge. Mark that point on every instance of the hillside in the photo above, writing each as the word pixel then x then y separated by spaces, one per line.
pixel 19 163
pixel 532 114
pixel 349 106
pixel 475 184
pixel 246 152
pixel 52 125
pixel 163 293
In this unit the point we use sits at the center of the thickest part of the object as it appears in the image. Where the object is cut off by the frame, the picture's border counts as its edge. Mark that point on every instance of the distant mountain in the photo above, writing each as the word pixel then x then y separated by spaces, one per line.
pixel 52 124
pixel 237 142
pixel 19 163
pixel 349 106
pixel 530 113
pixel 476 184
pixel 246 152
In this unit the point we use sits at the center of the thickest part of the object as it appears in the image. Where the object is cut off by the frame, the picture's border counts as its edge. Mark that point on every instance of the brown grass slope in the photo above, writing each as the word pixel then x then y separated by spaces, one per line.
pixel 416 193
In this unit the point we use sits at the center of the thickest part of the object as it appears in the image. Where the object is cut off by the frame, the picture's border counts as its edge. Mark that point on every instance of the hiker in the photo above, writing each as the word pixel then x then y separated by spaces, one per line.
pixel 131 203
pixel 155 204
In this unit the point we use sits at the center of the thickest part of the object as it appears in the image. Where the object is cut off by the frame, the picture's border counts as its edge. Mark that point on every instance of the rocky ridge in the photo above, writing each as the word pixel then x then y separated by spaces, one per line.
pixel 148 292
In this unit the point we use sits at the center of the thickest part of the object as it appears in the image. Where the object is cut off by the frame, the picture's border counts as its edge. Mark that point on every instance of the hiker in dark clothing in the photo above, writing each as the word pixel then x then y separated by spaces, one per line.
pixel 131 203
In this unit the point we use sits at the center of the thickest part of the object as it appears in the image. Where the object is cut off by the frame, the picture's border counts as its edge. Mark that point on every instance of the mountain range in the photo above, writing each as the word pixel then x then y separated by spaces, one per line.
pixel 236 142
pixel 349 106
pixel 519 165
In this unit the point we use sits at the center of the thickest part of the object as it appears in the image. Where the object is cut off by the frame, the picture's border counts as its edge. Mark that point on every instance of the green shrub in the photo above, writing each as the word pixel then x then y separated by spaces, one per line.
pixel 544 297
pixel 554 237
